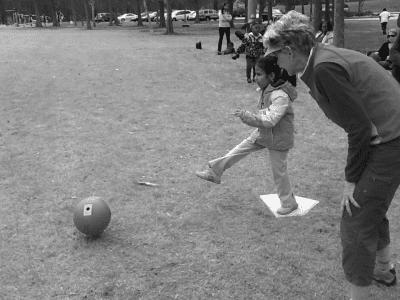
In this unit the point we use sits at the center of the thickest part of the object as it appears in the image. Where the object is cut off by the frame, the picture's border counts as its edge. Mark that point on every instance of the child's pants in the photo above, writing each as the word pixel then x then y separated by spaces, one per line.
pixel 383 25
pixel 227 32
pixel 250 65
pixel 278 165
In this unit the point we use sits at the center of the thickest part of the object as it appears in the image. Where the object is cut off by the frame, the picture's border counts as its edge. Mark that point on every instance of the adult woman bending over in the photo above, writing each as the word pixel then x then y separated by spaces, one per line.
pixel 364 101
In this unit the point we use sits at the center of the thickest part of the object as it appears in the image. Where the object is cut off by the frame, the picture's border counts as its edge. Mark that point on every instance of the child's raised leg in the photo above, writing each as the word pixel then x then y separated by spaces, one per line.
pixel 282 182
pixel 219 165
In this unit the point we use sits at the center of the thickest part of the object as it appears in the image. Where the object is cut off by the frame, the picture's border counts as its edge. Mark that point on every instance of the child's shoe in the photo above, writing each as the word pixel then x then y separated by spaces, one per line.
pixel 387 278
pixel 209 175
pixel 287 210
pixel 249 80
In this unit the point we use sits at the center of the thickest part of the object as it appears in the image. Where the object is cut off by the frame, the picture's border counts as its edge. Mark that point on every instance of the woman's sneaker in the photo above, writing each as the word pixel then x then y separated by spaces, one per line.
pixel 209 175
pixel 386 278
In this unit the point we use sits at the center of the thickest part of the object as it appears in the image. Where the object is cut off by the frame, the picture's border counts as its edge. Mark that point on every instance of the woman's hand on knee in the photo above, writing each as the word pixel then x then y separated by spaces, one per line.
pixel 348 198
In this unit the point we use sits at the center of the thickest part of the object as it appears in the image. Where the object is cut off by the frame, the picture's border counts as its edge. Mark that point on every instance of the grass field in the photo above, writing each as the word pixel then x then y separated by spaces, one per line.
pixel 93 112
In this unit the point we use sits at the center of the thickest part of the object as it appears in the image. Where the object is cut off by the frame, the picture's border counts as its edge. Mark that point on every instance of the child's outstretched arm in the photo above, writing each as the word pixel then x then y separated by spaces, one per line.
pixel 267 117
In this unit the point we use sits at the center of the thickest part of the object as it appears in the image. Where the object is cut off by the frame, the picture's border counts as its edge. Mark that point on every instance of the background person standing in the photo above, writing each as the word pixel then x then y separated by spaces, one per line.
pixel 224 26
pixel 384 17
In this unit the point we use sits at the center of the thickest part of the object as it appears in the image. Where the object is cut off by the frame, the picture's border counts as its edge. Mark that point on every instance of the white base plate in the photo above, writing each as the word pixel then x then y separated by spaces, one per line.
pixel 273 203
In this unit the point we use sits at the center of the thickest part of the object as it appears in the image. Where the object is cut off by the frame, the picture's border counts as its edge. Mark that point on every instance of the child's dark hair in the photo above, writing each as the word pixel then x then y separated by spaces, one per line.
pixel 268 65
pixel 223 7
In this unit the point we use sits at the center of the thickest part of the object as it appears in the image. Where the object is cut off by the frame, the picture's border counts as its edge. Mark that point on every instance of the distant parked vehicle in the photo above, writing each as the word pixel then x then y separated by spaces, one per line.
pixel 180 15
pixel 99 17
pixel 33 18
pixel 127 17
pixel 204 15
pixel 152 15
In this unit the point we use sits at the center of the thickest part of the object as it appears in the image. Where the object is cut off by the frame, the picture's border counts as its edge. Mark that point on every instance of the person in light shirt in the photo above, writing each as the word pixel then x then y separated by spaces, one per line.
pixel 224 26
pixel 384 17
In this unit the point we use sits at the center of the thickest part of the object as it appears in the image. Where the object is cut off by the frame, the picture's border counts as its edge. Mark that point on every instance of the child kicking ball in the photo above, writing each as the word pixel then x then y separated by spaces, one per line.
pixel 275 131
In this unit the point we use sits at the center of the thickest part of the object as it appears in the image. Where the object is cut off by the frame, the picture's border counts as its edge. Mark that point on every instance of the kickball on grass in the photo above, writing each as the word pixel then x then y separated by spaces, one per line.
pixel 92 216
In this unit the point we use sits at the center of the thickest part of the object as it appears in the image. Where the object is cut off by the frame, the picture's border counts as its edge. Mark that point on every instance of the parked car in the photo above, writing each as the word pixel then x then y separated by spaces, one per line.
pixel 127 17
pixel 99 17
pixel 204 14
pixel 180 15
pixel 33 18
pixel 152 15
pixel 105 17
pixel 192 16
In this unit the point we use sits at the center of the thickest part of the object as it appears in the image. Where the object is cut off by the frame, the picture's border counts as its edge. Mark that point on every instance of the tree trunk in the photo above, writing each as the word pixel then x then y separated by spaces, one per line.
pixel 88 26
pixel 270 5
pixel 147 16
pixel 54 13
pixel 230 5
pixel 327 10
pixel 317 14
pixel 161 16
pixel 251 8
pixel 37 12
pixel 288 6
pixel 360 5
pixel 246 11
pixel 73 10
pixel 262 4
pixel 110 12
pixel 197 8
pixel 139 9
pixel 92 4
pixel 338 29
pixel 170 28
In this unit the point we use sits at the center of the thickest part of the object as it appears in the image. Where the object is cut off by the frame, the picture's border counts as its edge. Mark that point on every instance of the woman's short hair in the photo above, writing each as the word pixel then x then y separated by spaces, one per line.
pixel 292 29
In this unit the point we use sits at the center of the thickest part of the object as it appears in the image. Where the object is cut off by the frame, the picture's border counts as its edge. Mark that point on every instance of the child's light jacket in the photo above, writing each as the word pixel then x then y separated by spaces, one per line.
pixel 274 120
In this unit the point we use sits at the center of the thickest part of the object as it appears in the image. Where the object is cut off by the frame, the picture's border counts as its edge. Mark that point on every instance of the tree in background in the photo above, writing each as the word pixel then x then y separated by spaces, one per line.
pixel 360 5
pixel 170 28
pixel 327 14
pixel 88 26
pixel 317 15
pixel 161 16
pixel 37 13
pixel 338 28
pixel 230 5
pixel 92 4
pixel 139 9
